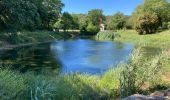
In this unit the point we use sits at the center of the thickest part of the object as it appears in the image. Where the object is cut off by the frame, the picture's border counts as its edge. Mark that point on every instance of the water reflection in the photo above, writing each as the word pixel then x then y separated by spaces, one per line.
pixel 36 58
pixel 81 55
pixel 89 56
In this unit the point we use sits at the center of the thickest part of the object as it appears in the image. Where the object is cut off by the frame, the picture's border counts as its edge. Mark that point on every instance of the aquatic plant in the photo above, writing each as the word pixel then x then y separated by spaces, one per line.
pixel 105 35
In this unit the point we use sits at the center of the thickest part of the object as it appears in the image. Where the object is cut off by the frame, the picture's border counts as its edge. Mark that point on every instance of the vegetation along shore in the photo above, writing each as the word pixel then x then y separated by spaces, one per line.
pixel 48 53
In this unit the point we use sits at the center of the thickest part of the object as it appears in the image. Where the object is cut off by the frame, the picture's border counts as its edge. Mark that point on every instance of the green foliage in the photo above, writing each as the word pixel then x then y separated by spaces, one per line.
pixel 12 84
pixel 168 26
pixel 31 37
pixel 83 24
pixel 75 25
pixel 105 35
pixel 146 23
pixel 118 21
pixel 136 73
pixel 92 28
pixel 94 16
pixel 123 80
pixel 29 14
pixel 66 21
pixel 159 8
pixel 58 25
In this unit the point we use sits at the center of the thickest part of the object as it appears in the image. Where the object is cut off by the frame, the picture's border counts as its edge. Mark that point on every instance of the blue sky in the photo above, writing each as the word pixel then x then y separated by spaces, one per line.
pixel 108 6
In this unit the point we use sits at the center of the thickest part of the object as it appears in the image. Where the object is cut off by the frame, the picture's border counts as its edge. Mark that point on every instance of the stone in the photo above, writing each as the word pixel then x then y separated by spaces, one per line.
pixel 158 95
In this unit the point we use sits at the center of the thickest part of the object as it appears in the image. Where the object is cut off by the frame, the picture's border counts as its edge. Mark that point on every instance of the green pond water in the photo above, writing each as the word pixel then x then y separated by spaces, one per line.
pixel 70 56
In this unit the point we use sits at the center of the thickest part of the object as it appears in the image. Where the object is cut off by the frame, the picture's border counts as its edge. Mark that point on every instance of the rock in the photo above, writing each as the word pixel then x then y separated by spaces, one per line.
pixel 158 95
pixel 142 97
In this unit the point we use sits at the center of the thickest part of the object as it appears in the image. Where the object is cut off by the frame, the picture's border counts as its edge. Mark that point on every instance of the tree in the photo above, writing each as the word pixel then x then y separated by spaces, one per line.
pixel 168 25
pixel 29 14
pixel 159 8
pixel 66 21
pixel 94 17
pixel 108 21
pixel 51 12
pixel 117 21
pixel 83 23
pixel 92 28
pixel 18 14
pixel 146 23
pixel 75 23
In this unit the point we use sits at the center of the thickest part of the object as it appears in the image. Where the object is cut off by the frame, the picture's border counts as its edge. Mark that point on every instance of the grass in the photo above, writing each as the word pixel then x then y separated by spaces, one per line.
pixel 124 80
pixel 140 75
pixel 8 38
pixel 159 40
pixel 105 35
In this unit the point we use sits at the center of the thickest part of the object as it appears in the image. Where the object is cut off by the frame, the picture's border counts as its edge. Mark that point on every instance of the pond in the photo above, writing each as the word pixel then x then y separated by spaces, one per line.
pixel 70 56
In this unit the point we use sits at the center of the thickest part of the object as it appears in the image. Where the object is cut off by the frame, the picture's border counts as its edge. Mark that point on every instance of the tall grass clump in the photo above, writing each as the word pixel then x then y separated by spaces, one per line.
pixel 141 74
pixel 105 35
pixel 11 84
pixel 66 87
pixel 138 75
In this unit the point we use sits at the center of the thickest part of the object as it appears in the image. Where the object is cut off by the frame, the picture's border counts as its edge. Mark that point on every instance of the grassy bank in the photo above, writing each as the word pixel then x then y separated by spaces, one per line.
pixel 126 79
pixel 159 40
pixel 7 38
pixel 140 75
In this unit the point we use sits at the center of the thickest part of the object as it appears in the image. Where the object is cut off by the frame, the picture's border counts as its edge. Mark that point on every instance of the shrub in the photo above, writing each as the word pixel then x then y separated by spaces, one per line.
pixel 105 35
pixel 92 28
pixel 165 25
pixel 11 84
pixel 168 25
pixel 136 73
pixel 146 23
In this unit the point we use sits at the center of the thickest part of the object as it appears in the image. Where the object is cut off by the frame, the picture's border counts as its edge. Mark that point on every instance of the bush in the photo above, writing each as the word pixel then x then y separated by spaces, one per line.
pixel 11 84
pixel 164 25
pixel 168 25
pixel 105 35
pixel 92 28
pixel 137 74
pixel 146 23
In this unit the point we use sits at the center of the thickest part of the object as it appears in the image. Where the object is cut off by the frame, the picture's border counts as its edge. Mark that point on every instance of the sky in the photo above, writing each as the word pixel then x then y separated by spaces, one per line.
pixel 109 7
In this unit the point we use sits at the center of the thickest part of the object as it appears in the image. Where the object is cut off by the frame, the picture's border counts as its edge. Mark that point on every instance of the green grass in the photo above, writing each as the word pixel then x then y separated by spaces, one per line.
pixel 8 38
pixel 159 40
pixel 140 75
pixel 124 80
pixel 105 35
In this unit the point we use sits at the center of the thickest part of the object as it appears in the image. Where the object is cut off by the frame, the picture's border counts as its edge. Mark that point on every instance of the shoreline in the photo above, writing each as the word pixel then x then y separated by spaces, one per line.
pixel 9 47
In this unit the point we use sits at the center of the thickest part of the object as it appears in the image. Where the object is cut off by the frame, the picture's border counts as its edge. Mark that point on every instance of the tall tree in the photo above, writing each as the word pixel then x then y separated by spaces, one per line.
pixel 83 22
pixel 95 16
pixel 29 14
pixel 117 21
pixel 66 21
pixel 160 8
pixel 52 11
pixel 147 23
pixel 75 23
